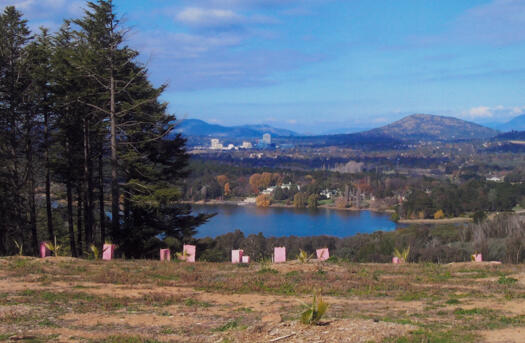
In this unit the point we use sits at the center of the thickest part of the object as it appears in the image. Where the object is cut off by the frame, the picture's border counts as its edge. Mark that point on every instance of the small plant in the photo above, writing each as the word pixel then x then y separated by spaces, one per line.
pixel 314 312
pixel 232 324
pixel 20 248
pixel 55 248
pixel 503 280
pixel 182 255
pixel 94 251
pixel 402 255
pixel 303 256
pixel 266 264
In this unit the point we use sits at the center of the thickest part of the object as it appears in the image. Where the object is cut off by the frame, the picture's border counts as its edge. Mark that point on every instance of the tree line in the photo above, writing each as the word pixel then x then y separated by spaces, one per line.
pixel 499 239
pixel 84 141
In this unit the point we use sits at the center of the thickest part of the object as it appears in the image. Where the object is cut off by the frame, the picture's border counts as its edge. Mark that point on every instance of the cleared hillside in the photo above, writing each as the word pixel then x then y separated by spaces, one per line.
pixel 66 299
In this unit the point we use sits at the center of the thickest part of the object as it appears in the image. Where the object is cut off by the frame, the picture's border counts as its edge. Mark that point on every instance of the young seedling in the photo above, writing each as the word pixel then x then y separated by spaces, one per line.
pixel 314 312
pixel 94 251
pixel 20 248
pixel 183 256
pixel 303 256
pixel 402 255
pixel 55 248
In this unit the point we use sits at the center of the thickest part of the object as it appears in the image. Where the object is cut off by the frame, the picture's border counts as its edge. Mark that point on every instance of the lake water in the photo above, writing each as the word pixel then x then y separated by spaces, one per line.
pixel 289 221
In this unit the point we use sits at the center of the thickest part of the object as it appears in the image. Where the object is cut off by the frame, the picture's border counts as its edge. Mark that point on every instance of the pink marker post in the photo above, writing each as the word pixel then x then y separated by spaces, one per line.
pixel 245 259
pixel 108 250
pixel 236 256
pixel 279 254
pixel 165 255
pixel 478 258
pixel 189 251
pixel 44 251
pixel 322 254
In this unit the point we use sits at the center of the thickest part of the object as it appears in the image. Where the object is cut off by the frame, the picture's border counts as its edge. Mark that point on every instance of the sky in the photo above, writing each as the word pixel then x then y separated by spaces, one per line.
pixel 317 66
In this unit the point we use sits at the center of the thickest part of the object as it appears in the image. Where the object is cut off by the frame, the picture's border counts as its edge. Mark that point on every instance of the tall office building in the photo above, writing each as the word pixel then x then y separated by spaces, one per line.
pixel 267 138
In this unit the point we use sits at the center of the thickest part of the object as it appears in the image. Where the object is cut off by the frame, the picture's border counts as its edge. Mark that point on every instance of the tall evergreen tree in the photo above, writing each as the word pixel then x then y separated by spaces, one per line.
pixel 15 126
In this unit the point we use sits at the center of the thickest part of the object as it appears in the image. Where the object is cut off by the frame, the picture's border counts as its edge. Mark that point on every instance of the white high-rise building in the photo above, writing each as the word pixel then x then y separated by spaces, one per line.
pixel 267 138
pixel 215 144
pixel 246 145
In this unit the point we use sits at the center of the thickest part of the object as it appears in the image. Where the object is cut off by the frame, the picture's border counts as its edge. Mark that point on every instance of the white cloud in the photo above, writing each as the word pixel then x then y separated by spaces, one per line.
pixel 48 13
pixel 218 18
pixel 208 17
pixel 188 46
pixel 480 112
pixel 497 113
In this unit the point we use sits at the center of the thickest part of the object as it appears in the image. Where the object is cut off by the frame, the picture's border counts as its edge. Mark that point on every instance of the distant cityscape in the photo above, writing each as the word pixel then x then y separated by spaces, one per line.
pixel 264 143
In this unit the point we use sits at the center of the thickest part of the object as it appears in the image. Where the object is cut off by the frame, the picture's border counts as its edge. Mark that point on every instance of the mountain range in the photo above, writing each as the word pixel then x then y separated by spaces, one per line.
pixel 515 124
pixel 197 127
pixel 416 127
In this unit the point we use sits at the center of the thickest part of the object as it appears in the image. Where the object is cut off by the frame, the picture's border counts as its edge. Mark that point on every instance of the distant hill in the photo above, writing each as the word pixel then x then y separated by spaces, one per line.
pixel 432 127
pixel 511 135
pixel 354 140
pixel 200 128
pixel 515 124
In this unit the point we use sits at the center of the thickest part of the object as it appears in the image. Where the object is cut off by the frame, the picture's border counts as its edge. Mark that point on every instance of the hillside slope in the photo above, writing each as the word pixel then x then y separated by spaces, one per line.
pixel 515 124
pixel 196 127
pixel 433 127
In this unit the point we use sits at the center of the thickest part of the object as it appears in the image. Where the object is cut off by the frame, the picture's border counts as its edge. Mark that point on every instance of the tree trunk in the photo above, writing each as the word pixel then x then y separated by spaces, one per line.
pixel 88 187
pixel 32 216
pixel 102 214
pixel 114 165
pixel 69 187
pixel 70 219
pixel 32 186
pixel 79 219
pixel 48 179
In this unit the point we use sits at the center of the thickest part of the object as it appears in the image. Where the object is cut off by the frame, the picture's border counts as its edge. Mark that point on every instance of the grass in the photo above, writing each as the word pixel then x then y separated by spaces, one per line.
pixel 504 280
pixel 126 339
pixel 232 324
pixel 193 302
pixel 129 289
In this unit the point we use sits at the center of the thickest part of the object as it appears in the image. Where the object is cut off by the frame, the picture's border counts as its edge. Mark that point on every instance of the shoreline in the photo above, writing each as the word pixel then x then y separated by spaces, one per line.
pixel 457 220
pixel 240 204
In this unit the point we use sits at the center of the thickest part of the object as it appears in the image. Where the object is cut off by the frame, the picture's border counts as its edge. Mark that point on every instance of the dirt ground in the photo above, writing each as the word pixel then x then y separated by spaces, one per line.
pixel 70 300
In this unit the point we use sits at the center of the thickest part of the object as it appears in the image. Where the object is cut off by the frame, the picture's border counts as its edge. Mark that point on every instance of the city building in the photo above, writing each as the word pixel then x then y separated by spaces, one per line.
pixel 267 139
pixel 215 144
pixel 246 145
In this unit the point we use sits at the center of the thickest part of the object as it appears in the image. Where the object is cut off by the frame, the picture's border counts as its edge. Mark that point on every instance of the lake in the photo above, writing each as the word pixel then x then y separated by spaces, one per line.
pixel 290 221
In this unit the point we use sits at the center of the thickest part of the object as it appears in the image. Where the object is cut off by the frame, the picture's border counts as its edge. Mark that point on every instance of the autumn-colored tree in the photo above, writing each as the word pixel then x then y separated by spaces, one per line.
pixel 263 200
pixel 255 182
pixel 313 201
pixel 276 179
pixel 300 200
pixel 227 190
pixel 222 179
pixel 340 202
pixel 439 214
pixel 266 179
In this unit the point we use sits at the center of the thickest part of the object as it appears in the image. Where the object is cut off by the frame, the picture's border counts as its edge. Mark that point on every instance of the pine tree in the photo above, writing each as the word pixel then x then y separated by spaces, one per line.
pixel 16 124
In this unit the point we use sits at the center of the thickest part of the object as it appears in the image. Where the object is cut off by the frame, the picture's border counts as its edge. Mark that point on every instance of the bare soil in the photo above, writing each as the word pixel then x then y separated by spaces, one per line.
pixel 73 300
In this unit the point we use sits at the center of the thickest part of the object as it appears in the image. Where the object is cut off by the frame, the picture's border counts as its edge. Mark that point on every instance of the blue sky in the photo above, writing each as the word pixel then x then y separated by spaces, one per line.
pixel 321 65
